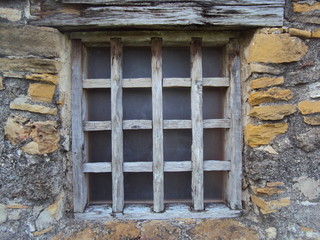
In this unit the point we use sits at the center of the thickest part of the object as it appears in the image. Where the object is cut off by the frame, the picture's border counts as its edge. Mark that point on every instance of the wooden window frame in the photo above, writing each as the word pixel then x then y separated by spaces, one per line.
pixel 231 121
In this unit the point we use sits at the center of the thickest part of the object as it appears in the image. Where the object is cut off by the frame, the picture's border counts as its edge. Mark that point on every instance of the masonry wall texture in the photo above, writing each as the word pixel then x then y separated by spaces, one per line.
pixel 281 156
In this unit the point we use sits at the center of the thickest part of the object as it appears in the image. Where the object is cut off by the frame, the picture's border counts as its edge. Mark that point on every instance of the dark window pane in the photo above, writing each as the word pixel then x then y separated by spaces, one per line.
pixel 137 145
pixel 99 146
pixel 99 62
pixel 213 102
pixel 138 187
pixel 177 145
pixel 136 62
pixel 137 104
pixel 98 104
pixel 176 103
pixel 176 62
pixel 214 186
pixel 100 185
pixel 177 186
pixel 211 62
pixel 213 144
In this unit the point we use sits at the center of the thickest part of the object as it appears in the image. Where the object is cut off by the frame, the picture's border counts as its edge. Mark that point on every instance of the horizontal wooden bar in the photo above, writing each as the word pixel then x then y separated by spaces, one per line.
pixel 147 124
pixel 146 82
pixel 177 166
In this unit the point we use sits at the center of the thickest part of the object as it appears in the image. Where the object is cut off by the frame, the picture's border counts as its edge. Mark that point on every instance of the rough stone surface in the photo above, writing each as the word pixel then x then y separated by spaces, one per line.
pixel 267 207
pixel 159 230
pixel 41 92
pixel 275 48
pixel 271 233
pixel 266 82
pixel 52 213
pixel 299 33
pixel 29 65
pixel 46 40
pixel 312 120
pixel 10 14
pixel 22 103
pixel 308 141
pixel 3 213
pixel 301 8
pixel 307 107
pixel 219 229
pixel 1 83
pixel 49 78
pixel 43 135
pixel 275 112
pixel 263 134
pixel 309 187
pixel 271 95
pixel 258 68
pixel 314 90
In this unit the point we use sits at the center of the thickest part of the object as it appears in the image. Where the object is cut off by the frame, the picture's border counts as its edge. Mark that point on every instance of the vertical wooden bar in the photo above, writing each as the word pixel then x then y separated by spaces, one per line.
pixel 116 126
pixel 197 124
pixel 80 189
pixel 157 120
pixel 235 139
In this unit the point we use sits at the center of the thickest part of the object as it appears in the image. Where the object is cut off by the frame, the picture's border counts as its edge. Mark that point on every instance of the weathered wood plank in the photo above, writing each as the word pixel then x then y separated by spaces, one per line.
pixel 169 38
pixel 216 123
pixel 186 82
pixel 186 124
pixel 116 125
pixel 96 83
pixel 157 130
pixel 178 166
pixel 164 13
pixel 137 124
pixel 197 125
pixel 126 83
pixel 96 125
pixel 79 179
pixel 235 132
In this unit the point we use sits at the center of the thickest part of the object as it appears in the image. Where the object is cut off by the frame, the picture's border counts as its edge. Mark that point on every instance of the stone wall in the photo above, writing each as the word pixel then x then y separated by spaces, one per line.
pixel 281 156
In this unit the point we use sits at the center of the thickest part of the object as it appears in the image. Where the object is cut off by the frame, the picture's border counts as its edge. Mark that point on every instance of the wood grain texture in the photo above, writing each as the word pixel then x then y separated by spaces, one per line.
pixel 197 125
pixel 172 166
pixel 157 130
pixel 80 190
pixel 116 126
pixel 162 13
pixel 235 140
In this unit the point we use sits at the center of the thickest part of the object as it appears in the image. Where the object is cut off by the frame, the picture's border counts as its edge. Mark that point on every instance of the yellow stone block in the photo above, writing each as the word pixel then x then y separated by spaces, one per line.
pixel 275 112
pixel 299 33
pixel 315 33
pixel 266 82
pixel 257 135
pixel 312 120
pixel 266 191
pixel 267 207
pixel 307 107
pixel 271 95
pixel 21 103
pixel 41 92
pixel 275 48
pixel 49 78
pixel 274 184
pixel 301 8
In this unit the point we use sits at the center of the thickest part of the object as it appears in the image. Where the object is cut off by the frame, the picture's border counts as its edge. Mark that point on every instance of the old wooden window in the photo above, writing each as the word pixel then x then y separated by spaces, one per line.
pixel 156 121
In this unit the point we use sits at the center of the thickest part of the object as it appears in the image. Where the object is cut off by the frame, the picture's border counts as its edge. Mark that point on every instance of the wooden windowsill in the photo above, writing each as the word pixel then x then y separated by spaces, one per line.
pixel 140 212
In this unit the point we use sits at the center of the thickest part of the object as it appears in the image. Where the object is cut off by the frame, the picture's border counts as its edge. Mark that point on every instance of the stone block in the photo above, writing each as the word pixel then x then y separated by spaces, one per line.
pixel 25 41
pixel 257 135
pixel 266 190
pixel 15 130
pixel 275 112
pixel 309 187
pixel 41 92
pixel 266 82
pixel 48 78
pixel 312 120
pixel 304 7
pixel 314 90
pixel 274 184
pixel 10 14
pixel 271 233
pixel 275 48
pixel 299 33
pixel 3 213
pixel 51 214
pixel 44 231
pixel 271 95
pixel 23 103
pixel 29 65
pixel 315 33
pixel 267 207
pixel 308 141
pixel 307 107
pixel 1 83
